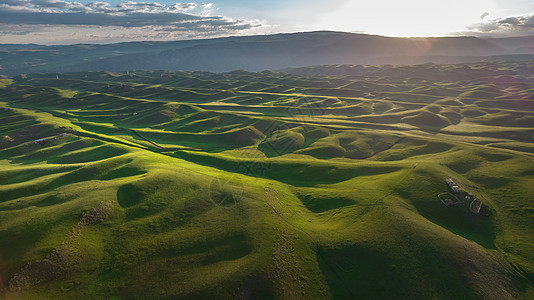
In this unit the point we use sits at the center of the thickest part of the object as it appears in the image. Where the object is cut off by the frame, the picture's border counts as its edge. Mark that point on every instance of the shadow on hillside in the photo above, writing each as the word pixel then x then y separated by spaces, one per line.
pixel 356 272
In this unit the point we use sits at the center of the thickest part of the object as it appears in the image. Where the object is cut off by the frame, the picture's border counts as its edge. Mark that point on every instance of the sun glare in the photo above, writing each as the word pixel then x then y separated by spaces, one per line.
pixel 407 18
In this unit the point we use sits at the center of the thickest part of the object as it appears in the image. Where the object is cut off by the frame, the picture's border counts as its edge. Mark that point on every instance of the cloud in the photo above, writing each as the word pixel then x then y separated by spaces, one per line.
pixel 99 6
pixel 131 6
pixel 150 17
pixel 16 32
pixel 183 7
pixel 514 25
pixel 510 21
pixel 56 4
pixel 13 2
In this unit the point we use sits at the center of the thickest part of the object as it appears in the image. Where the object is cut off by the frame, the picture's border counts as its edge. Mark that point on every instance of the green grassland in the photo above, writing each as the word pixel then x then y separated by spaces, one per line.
pixel 318 183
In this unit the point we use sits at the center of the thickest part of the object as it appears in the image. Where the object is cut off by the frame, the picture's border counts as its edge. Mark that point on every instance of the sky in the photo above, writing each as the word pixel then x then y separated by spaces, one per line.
pixel 108 21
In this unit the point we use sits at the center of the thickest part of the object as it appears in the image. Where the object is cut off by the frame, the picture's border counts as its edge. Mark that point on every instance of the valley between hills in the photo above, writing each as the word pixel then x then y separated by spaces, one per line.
pixel 307 183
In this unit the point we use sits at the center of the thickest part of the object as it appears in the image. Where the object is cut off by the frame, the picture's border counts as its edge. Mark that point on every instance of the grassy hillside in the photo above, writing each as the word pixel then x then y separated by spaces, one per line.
pixel 268 185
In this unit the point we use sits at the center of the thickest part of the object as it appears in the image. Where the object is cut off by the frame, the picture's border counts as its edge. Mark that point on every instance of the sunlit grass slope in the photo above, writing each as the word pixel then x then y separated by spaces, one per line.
pixel 245 185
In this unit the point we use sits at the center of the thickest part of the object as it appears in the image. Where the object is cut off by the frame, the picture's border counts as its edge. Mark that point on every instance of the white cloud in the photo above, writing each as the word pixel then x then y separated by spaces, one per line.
pixel 131 6
pixel 151 20
pixel 183 7
pixel 100 7
pixel 515 25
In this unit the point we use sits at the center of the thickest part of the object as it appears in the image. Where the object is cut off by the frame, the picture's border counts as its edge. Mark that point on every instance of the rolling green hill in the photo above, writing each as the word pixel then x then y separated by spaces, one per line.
pixel 317 183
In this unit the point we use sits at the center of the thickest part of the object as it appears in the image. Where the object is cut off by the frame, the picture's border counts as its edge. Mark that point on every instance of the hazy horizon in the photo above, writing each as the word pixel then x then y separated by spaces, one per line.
pixel 264 34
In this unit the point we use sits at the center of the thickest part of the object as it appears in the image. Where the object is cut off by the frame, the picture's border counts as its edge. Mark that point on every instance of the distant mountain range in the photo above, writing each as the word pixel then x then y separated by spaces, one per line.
pixel 263 52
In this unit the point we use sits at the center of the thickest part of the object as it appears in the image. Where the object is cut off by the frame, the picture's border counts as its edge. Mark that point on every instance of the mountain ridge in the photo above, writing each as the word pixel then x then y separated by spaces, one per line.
pixel 260 52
